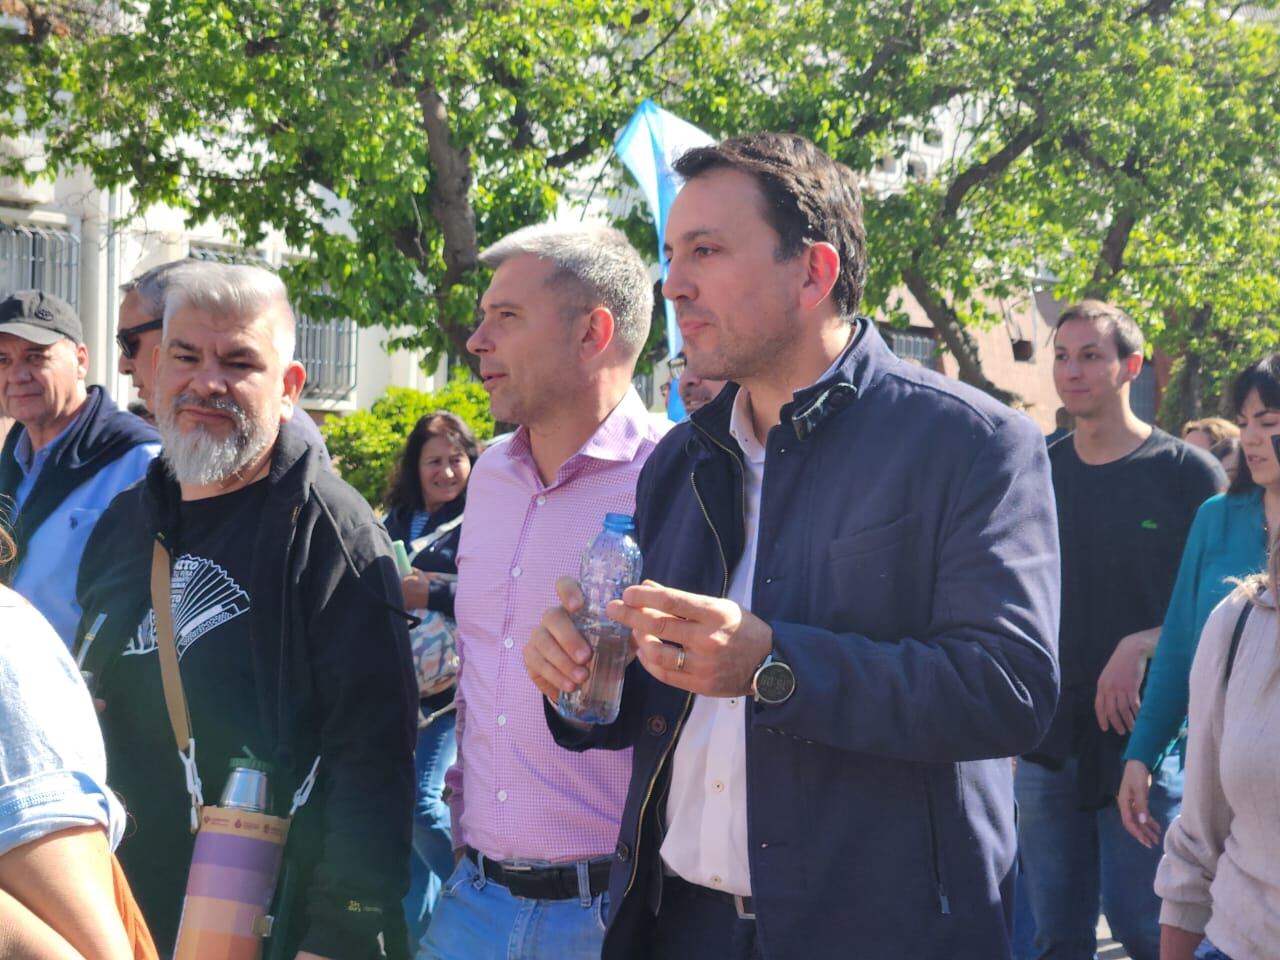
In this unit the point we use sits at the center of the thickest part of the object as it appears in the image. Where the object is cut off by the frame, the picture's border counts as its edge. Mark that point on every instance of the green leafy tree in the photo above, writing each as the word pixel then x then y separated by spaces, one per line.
pixel 1124 148
pixel 388 139
pixel 367 444
pixel 1115 149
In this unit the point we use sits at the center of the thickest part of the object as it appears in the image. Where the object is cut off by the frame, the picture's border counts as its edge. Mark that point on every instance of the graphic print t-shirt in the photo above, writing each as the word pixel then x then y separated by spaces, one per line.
pixel 212 614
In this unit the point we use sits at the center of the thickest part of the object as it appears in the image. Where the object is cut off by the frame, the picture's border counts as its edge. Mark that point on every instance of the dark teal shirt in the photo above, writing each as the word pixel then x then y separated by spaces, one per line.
pixel 1226 541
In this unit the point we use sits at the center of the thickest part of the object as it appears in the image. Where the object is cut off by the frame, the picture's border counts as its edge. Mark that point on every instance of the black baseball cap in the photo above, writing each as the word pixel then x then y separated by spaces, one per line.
pixel 40 317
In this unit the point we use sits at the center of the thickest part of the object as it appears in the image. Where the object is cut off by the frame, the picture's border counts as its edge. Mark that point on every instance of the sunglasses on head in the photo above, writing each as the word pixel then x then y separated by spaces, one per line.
pixel 128 339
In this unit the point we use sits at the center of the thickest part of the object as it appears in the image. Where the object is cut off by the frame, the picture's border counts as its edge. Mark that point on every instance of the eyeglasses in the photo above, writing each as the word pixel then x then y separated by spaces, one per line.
pixel 128 339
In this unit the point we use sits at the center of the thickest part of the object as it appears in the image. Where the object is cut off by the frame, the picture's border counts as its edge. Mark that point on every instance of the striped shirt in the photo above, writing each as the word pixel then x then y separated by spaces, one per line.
pixel 514 793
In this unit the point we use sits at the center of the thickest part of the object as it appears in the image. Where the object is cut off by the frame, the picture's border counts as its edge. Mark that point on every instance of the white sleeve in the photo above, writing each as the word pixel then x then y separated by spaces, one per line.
pixel 53 772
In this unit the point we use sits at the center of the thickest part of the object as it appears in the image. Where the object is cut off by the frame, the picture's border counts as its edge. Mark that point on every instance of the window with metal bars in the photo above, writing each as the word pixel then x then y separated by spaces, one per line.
pixel 328 349
pixel 39 257
pixel 913 345
pixel 1142 395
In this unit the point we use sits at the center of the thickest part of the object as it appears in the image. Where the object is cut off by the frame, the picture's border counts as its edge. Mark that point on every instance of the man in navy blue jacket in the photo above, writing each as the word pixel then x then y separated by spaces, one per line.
pixel 849 615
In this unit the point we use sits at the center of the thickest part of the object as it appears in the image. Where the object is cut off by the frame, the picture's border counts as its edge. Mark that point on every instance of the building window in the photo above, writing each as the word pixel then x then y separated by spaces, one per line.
pixel 212 254
pixel 1142 395
pixel 39 258
pixel 326 348
pixel 912 345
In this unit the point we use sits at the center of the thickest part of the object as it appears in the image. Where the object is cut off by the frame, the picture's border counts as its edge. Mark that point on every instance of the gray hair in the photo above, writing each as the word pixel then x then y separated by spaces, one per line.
pixel 149 287
pixel 232 289
pixel 600 260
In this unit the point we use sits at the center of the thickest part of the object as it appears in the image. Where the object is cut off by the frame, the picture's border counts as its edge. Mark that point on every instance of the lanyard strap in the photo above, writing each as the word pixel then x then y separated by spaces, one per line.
pixel 175 699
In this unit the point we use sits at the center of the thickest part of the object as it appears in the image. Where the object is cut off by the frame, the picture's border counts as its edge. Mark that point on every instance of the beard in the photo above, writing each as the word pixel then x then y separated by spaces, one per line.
pixel 200 458
pixel 738 358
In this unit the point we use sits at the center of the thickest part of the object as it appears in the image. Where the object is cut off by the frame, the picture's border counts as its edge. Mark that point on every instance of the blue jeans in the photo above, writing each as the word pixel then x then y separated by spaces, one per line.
pixel 1074 860
pixel 1207 951
pixel 432 859
pixel 477 919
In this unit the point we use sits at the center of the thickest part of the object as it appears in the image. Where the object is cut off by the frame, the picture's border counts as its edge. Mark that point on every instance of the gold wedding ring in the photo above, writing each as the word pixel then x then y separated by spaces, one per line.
pixel 680 659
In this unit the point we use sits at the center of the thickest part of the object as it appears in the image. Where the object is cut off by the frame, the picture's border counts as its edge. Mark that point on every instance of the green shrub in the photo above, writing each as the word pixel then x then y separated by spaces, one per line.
pixel 364 445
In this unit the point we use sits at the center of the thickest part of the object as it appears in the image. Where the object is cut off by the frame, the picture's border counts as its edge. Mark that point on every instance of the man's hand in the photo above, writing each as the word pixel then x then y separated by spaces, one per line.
pixel 1135 787
pixel 701 644
pixel 1117 702
pixel 308 955
pixel 556 654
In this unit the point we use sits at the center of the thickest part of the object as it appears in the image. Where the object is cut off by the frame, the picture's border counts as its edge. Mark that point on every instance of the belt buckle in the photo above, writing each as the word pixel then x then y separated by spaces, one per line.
pixel 740 904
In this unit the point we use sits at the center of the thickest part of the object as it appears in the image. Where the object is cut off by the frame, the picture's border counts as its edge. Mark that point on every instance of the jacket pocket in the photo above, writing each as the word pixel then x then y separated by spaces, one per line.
pixel 873 539
pixel 935 842
pixel 877 582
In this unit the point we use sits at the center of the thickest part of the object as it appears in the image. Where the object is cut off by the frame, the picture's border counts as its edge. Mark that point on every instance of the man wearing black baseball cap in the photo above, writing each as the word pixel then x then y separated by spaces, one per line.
pixel 71 450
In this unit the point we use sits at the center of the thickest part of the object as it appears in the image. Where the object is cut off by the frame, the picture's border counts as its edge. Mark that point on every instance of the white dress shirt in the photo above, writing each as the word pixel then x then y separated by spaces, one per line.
pixel 706 841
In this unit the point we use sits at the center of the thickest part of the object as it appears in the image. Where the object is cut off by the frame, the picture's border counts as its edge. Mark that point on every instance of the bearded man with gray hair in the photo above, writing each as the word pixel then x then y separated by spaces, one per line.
pixel 286 617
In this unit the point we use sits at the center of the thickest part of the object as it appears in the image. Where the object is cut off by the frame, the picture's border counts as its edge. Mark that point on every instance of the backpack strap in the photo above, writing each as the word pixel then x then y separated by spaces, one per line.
pixel 1236 634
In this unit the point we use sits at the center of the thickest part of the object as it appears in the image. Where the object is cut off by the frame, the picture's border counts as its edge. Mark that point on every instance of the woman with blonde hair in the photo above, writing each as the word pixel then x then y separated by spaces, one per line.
pixel 1220 876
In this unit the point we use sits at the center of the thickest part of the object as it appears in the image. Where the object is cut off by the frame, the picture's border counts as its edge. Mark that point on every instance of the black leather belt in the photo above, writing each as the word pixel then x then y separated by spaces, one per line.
pixel 681 887
pixel 554 882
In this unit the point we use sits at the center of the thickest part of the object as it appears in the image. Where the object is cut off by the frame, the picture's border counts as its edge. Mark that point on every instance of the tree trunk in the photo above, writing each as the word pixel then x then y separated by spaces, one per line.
pixel 958 340
pixel 451 207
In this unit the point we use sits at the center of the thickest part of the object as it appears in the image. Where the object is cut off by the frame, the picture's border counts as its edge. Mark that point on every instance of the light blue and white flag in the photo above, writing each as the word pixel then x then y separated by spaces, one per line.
pixel 648 145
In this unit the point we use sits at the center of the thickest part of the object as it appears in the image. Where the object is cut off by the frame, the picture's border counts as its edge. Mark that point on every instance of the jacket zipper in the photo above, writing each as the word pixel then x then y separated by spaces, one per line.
pixel 944 902
pixel 688 700
pixel 648 793
pixel 724 560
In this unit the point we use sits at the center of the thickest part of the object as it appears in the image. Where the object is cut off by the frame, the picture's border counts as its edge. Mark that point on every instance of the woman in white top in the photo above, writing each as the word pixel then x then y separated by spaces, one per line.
pixel 58 820
pixel 1220 876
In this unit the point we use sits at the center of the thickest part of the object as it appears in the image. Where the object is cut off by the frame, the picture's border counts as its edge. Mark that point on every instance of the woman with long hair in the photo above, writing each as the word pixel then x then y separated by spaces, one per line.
pixel 1220 876
pixel 61 893
pixel 425 501
pixel 1228 540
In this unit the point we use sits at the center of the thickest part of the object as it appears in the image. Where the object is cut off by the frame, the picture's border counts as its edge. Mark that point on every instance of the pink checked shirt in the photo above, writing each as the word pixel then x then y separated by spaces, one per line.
pixel 515 794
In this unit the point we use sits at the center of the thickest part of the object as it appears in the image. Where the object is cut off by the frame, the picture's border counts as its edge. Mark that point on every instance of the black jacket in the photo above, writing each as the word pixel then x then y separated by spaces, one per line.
pixel 908 566
pixel 333 677
pixel 441 556
pixel 101 435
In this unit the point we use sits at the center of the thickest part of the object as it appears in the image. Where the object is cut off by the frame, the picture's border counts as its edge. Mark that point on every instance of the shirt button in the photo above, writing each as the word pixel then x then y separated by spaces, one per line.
pixel 718 787
pixel 716 881
pixel 502 796
pixel 541 500
pixel 502 720
pixel 516 571
pixel 508 642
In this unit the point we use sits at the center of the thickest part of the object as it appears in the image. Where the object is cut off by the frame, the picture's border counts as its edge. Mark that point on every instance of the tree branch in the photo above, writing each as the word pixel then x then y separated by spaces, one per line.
pixel 1111 257
pixel 992 167
pixel 959 341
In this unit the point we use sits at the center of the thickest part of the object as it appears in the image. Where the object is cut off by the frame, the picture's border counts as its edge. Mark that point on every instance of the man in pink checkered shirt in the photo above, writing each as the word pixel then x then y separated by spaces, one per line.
pixel 535 826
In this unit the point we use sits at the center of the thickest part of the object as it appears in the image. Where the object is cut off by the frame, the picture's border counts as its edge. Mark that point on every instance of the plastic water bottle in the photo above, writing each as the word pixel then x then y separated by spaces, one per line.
pixel 610 565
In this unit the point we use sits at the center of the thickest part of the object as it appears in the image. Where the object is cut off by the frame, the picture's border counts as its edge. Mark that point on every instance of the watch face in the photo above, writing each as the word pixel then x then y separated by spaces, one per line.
pixel 775 682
